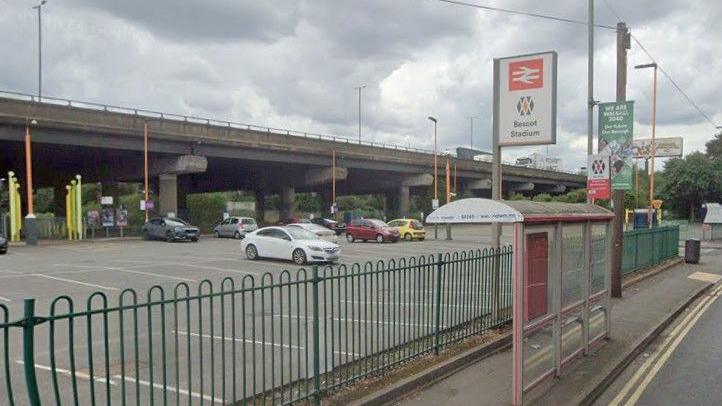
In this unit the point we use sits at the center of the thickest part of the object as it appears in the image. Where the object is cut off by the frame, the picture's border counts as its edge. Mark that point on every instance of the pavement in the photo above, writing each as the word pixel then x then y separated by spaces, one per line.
pixel 642 309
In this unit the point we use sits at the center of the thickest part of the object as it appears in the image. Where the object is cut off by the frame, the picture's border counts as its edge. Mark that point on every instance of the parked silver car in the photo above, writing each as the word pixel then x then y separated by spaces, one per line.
pixel 235 227
pixel 169 229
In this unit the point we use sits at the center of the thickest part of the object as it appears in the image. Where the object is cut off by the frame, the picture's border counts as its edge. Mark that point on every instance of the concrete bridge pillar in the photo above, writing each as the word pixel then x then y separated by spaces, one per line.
pixel 168 194
pixel 260 196
pixel 287 201
pixel 404 195
pixel 185 187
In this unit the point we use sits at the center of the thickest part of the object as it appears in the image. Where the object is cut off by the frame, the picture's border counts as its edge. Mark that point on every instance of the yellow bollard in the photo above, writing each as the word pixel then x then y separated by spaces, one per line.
pixel 79 208
pixel 68 212
pixel 73 212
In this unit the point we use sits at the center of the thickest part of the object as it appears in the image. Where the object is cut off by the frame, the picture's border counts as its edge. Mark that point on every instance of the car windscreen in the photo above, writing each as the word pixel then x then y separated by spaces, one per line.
pixel 300 234
pixel 378 223
pixel 175 222
pixel 248 221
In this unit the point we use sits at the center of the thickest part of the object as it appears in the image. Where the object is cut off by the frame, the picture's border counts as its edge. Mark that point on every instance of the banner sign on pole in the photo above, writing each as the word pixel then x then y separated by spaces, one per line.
pixel 526 106
pixel 663 147
pixel 598 183
pixel 616 126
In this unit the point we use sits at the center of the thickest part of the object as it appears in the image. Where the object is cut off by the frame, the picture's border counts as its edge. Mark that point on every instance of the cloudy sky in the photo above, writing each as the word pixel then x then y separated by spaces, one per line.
pixel 294 63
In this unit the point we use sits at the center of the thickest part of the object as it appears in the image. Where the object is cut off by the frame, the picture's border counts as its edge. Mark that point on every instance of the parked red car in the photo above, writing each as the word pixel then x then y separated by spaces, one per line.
pixel 371 230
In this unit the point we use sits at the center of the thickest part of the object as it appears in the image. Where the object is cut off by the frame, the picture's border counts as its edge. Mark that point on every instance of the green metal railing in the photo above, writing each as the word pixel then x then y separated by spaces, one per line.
pixel 649 246
pixel 262 339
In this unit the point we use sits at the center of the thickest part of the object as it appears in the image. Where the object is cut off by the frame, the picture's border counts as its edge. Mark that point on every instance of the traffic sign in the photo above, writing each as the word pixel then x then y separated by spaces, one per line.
pixel 525 98
pixel 598 182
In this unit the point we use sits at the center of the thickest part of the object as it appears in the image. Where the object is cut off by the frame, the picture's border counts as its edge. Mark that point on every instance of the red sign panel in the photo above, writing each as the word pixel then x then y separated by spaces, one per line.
pixel 525 75
pixel 536 278
pixel 598 188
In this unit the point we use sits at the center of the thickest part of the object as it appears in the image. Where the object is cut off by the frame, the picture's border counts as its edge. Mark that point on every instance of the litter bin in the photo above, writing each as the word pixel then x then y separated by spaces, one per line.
pixel 691 251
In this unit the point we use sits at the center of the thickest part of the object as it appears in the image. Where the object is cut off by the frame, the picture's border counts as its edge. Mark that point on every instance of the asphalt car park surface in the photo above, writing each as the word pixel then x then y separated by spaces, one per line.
pixel 78 269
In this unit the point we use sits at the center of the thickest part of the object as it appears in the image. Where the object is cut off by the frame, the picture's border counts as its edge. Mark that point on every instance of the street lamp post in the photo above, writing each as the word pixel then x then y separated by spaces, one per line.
pixel 39 7
pixel 471 131
pixel 359 88
pixel 652 150
pixel 436 183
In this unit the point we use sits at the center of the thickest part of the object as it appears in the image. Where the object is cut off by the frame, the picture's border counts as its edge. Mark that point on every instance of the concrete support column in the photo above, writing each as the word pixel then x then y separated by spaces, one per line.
pixel 168 194
pixel 326 200
pixel 260 196
pixel 391 206
pixel 287 201
pixel 404 195
pixel 185 187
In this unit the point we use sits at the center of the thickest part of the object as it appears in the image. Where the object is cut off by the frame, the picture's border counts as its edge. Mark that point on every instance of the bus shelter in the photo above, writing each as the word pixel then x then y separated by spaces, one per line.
pixel 561 277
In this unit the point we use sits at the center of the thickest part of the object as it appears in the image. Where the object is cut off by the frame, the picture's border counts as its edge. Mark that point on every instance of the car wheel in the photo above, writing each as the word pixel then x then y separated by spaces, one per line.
pixel 195 239
pixel 146 235
pixel 169 236
pixel 422 238
pixel 349 237
pixel 237 235
pixel 3 252
pixel 379 238
pixel 408 237
pixel 218 235
pixel 251 252
pixel 299 257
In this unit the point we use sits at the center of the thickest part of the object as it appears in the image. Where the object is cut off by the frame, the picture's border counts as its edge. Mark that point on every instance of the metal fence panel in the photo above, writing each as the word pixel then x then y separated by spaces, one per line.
pixel 648 247
pixel 282 338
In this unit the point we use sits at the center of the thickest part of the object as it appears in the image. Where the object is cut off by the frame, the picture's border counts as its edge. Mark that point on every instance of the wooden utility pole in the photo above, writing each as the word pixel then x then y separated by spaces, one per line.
pixel 623 44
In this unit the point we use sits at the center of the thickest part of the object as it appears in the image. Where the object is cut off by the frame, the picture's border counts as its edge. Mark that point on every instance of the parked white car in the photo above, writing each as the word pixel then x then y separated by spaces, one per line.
pixel 320 231
pixel 294 243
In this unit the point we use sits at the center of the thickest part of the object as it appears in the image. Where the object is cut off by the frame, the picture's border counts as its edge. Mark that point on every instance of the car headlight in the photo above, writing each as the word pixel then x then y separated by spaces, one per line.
pixel 315 248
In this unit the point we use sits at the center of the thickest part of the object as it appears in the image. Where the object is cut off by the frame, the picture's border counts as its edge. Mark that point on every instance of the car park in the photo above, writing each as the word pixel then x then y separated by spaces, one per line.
pixel 337 227
pixel 3 245
pixel 322 232
pixel 235 227
pixel 289 243
pixel 169 229
pixel 409 229
pixel 371 230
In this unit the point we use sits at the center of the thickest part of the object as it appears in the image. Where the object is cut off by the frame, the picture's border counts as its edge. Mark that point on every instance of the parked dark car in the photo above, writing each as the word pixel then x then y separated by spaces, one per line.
pixel 371 230
pixel 3 245
pixel 335 226
pixel 293 220
pixel 169 229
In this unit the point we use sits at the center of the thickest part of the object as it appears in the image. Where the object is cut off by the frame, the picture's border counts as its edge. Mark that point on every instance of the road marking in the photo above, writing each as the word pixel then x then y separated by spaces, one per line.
pixel 189 265
pixel 705 277
pixel 668 343
pixel 363 321
pixel 4 299
pixel 214 399
pixel 240 340
pixel 92 285
pixel 382 303
pixel 109 268
pixel 68 373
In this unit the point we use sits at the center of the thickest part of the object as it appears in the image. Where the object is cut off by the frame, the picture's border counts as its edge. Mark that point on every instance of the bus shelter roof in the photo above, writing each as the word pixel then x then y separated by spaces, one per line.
pixel 478 210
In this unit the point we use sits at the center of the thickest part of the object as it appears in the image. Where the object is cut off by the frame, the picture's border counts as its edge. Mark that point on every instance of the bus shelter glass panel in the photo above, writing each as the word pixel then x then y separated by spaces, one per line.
pixel 572 335
pixel 600 257
pixel 573 264
pixel 538 354
pixel 597 320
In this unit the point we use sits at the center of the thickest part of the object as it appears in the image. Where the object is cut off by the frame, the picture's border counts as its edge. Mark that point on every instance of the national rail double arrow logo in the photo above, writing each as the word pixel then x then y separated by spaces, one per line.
pixel 525 106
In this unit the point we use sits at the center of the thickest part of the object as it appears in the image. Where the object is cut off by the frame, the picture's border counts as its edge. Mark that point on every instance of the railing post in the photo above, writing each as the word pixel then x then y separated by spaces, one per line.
pixel 316 341
pixel 28 325
pixel 437 304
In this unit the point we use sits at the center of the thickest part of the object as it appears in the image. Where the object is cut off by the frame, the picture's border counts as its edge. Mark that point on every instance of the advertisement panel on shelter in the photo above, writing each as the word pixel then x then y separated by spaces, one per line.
pixel 598 184
pixel 616 124
pixel 526 97
pixel 663 147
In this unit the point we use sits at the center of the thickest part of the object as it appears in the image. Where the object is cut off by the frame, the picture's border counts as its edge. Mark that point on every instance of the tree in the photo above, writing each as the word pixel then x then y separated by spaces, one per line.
pixel 689 182
pixel 714 147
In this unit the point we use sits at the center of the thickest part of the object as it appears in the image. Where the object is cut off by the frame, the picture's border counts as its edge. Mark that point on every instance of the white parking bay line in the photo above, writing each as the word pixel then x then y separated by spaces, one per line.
pixel 92 285
pixel 4 299
pixel 68 373
pixel 110 268
pixel 214 399
pixel 240 340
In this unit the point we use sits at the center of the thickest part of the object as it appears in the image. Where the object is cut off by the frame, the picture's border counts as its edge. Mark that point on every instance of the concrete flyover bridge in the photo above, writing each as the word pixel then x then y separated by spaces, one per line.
pixel 193 155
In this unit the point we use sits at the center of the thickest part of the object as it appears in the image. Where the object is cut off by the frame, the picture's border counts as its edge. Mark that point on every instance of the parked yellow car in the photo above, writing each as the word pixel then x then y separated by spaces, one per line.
pixel 409 229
